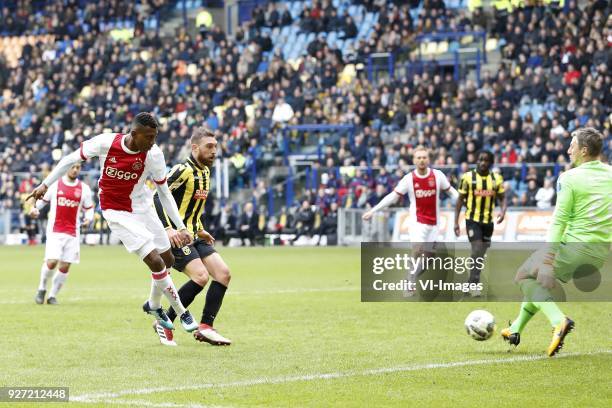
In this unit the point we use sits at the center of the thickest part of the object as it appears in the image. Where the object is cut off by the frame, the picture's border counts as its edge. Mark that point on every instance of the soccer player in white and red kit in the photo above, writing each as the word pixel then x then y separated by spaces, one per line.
pixel 67 197
pixel 126 161
pixel 423 187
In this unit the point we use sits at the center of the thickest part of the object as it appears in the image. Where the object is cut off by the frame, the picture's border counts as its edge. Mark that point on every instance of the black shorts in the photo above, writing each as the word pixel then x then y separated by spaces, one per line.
pixel 186 254
pixel 478 231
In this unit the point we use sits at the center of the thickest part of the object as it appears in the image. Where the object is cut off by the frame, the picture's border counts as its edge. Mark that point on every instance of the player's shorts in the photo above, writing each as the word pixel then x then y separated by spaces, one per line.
pixel 63 247
pixel 423 232
pixel 570 259
pixel 477 231
pixel 140 233
pixel 198 249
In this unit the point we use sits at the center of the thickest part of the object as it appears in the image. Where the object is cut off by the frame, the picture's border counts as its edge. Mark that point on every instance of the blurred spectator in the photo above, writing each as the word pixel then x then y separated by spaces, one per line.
pixel 545 195
pixel 249 225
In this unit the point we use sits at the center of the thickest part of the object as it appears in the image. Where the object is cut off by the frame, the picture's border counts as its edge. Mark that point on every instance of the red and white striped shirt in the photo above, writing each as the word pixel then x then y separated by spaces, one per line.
pixel 123 172
pixel 67 199
pixel 424 194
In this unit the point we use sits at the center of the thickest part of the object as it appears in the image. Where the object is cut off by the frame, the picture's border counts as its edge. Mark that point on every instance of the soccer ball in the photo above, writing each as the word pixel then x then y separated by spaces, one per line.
pixel 480 325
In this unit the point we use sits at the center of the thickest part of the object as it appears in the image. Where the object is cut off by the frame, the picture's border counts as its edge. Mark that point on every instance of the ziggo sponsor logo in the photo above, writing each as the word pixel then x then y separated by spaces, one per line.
pixel 120 174
pixel 66 202
pixel 424 193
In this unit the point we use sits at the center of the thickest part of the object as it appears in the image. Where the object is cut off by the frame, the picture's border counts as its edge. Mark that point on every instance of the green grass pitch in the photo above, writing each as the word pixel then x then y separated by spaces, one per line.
pixel 301 338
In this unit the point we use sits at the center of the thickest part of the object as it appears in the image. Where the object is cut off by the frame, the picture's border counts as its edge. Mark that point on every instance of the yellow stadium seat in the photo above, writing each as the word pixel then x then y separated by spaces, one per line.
pixel 491 44
pixel 442 47
pixel 468 39
pixel 432 47
pixel 424 47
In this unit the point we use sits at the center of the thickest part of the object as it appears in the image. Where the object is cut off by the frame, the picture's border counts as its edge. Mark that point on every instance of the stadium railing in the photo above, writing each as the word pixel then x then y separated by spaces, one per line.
pixel 524 224
pixel 442 49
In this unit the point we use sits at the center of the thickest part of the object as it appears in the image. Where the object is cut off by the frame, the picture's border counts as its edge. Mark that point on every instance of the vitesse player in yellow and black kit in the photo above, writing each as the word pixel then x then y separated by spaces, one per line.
pixel 479 189
pixel 189 184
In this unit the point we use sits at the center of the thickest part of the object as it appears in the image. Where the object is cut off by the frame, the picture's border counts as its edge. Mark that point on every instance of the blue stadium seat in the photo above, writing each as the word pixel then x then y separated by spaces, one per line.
pixel 263 66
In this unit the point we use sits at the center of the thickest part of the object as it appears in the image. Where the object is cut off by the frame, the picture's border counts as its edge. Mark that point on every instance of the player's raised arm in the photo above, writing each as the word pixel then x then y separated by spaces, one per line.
pixel 62 168
pixel 89 148
pixel 40 204
pixel 389 199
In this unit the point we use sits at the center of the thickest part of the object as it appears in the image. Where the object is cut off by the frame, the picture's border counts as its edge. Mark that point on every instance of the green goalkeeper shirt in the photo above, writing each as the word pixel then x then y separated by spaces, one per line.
pixel 584 205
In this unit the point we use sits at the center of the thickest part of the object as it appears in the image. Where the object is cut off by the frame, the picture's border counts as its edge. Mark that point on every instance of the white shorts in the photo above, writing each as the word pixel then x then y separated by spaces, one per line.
pixel 62 247
pixel 423 232
pixel 140 233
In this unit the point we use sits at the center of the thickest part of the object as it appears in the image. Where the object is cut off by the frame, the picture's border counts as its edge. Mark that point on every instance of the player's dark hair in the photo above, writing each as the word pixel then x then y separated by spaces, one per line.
pixel 145 119
pixel 590 138
pixel 488 153
pixel 200 133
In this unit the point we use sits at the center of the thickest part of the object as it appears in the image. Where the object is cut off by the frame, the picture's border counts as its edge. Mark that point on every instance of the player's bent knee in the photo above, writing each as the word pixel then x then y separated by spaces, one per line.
pixel 224 275
pixel 200 277
pixel 64 267
pixel 51 263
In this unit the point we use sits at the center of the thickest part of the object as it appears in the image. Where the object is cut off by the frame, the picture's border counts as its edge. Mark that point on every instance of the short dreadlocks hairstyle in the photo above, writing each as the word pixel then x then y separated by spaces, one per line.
pixel 145 119
pixel 489 154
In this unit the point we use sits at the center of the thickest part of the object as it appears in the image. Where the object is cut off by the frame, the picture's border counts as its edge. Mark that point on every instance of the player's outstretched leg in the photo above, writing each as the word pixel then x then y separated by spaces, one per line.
pixel 46 271
pixel 214 298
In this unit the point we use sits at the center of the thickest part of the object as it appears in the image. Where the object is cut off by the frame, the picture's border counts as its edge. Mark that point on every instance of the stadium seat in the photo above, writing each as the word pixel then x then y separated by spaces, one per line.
pixel 263 66
pixel 442 47
pixel 432 48
pixel 423 47
pixel 491 44
pixel 467 39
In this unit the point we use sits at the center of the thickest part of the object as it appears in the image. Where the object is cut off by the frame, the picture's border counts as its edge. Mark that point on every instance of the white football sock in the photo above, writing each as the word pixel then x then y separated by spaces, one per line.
pixel 58 281
pixel 45 275
pixel 164 284
pixel 156 293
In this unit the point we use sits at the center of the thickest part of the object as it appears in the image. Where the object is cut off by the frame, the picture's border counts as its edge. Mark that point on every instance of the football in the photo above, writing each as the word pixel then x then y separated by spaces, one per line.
pixel 480 325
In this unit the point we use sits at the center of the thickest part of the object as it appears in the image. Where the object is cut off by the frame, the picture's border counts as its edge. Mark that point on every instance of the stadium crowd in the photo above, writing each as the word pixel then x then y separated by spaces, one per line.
pixel 554 77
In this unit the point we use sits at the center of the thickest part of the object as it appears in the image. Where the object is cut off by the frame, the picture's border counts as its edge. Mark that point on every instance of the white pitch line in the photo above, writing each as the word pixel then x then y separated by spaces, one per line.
pixel 238 293
pixel 144 403
pixel 109 397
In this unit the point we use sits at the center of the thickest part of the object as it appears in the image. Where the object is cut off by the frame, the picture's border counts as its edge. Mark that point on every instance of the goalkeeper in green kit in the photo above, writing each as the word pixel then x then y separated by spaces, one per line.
pixel 580 234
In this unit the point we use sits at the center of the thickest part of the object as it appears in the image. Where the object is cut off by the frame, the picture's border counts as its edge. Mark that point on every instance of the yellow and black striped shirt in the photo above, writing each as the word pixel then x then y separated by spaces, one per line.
pixel 189 184
pixel 480 195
